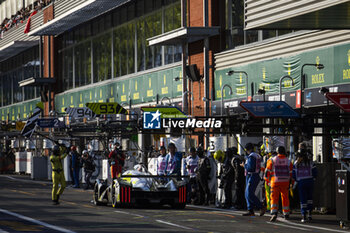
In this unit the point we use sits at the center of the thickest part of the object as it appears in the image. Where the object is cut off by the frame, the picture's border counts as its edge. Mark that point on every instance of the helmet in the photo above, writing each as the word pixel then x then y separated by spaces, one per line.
pixel 55 149
pixel 219 156
pixel 85 151
pixel 73 148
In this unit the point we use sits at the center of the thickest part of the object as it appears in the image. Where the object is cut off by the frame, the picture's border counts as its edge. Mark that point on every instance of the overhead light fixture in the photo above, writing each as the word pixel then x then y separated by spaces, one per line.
pixel 319 66
pixel 206 99
pixel 323 91
pixel 261 91
pixel 231 72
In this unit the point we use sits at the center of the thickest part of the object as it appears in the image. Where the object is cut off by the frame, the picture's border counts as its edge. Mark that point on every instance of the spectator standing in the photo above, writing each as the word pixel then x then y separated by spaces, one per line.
pixel 75 165
pixel 191 163
pixel 89 168
pixel 252 169
pixel 305 172
pixel 239 178
pixel 203 172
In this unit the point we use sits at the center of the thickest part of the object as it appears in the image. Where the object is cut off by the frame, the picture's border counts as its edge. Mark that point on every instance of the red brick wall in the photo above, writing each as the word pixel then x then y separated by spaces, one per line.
pixel 48 15
pixel 196 55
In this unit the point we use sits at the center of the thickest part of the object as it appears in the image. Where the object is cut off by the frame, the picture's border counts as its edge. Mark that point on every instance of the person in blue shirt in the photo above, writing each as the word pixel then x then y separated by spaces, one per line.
pixel 252 170
pixel 173 161
pixel 304 173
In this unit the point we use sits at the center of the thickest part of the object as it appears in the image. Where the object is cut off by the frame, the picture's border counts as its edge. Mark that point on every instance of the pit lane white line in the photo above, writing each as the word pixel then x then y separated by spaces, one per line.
pixel 157 220
pixel 235 212
pixel 308 226
pixel 289 226
pixel 36 221
pixel 124 212
pixel 172 224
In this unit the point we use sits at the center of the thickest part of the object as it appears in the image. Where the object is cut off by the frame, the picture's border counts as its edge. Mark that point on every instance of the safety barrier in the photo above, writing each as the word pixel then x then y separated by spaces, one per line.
pixel 21 162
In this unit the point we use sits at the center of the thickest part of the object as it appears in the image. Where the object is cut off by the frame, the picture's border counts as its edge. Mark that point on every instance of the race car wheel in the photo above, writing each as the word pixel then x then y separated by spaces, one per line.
pixel 179 206
pixel 95 196
pixel 114 197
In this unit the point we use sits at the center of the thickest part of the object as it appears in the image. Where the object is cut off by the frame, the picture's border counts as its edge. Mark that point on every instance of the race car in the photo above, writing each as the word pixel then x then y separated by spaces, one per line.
pixel 139 187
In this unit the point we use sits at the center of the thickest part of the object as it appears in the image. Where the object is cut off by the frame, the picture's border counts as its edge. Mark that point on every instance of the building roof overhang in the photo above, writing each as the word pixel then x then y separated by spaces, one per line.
pixel 16 47
pixel 78 15
pixel 184 35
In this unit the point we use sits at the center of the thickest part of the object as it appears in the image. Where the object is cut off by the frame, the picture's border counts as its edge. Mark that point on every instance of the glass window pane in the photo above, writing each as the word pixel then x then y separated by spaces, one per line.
pixel 177 15
pixel 82 63
pixel 7 90
pixel 123 50
pixel 283 32
pixel 168 19
pixel 131 48
pixel 251 36
pixel 117 53
pixel 169 54
pixel 67 74
pixel 141 45
pixel 131 11
pixel 102 57
pixel 269 34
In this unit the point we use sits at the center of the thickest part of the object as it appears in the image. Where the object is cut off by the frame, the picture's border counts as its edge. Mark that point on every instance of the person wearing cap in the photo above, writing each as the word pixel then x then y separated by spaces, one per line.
pixel 161 162
pixel 173 161
pixel 252 169
pixel 75 165
pixel 278 172
pixel 89 168
pixel 191 163
pixel 58 179
pixel 116 159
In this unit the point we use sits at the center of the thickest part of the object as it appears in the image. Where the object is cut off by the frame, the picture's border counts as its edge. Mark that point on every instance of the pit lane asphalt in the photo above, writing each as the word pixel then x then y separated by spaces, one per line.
pixel 25 206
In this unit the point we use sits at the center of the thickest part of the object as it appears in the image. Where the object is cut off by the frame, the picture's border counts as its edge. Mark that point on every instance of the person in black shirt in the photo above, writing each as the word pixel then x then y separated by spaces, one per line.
pixel 89 168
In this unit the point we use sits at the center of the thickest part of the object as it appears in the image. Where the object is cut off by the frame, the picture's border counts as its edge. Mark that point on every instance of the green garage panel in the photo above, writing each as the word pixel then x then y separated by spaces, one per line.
pixel 150 90
pixel 23 110
pixel 177 85
pixel 165 83
pixel 136 90
pixel 140 89
pixel 336 61
pixel 123 91
pixel 316 77
pixel 342 63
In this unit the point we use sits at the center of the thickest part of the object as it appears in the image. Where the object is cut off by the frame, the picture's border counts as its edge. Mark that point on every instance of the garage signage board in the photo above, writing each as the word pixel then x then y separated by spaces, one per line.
pixel 80 112
pixel 270 109
pixel 106 108
pixel 341 99
pixel 50 123
pixel 166 111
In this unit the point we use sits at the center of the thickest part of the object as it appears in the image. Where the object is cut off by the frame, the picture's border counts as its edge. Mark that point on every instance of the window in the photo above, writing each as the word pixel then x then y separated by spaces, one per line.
pixel 153 27
pixel 90 46
pixel 102 46
pixel 67 74
pixel 22 66
pixel 236 36
pixel 82 62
